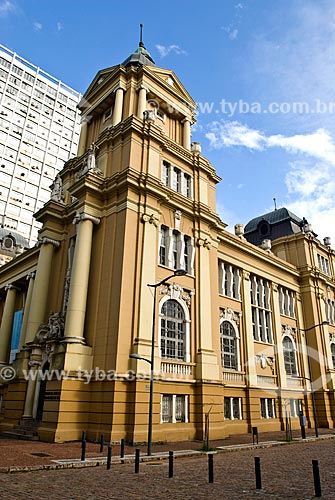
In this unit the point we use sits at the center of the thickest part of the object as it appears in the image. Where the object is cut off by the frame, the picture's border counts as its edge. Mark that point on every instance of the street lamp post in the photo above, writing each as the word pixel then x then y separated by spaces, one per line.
pixel 310 378
pixel 151 361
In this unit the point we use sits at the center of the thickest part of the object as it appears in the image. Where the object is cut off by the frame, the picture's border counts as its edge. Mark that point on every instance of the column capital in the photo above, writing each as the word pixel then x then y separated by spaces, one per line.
pixel 119 87
pixel 45 240
pixel 204 242
pixel 31 275
pixel 186 119
pixel 83 216
pixel 11 287
pixel 142 87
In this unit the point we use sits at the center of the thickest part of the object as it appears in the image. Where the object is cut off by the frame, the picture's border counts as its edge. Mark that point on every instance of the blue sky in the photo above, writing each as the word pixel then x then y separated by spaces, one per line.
pixel 262 72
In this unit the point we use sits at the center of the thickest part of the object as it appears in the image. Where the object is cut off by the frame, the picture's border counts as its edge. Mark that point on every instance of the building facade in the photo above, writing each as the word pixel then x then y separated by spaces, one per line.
pixel 39 131
pixel 237 339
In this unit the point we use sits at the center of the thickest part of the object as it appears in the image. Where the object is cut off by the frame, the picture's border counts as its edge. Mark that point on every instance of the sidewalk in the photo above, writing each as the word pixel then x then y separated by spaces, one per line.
pixel 19 455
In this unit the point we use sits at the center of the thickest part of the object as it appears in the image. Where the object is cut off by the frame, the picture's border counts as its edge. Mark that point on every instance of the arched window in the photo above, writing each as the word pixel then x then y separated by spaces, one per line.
pixel 332 348
pixel 172 340
pixel 290 359
pixel 229 346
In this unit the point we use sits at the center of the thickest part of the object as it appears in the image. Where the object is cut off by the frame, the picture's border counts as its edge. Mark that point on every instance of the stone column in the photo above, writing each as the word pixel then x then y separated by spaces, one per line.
pixel 118 106
pixel 41 287
pixel 31 278
pixel 187 134
pixel 7 323
pixel 142 102
pixel 76 308
pixel 82 139
pixel 31 388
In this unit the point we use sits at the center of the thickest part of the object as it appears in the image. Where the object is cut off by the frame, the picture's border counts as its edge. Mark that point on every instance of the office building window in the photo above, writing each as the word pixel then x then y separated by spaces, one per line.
pixel 295 407
pixel 268 408
pixel 233 408
pixel 174 408
pixel 290 358
pixel 229 346
pixel 261 309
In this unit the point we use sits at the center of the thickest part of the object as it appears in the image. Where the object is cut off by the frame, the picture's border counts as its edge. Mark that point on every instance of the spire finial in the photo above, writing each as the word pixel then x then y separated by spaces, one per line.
pixel 275 203
pixel 141 44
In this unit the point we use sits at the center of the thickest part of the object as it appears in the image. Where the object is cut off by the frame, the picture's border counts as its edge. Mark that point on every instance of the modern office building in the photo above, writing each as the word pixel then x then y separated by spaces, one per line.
pixel 237 333
pixel 39 131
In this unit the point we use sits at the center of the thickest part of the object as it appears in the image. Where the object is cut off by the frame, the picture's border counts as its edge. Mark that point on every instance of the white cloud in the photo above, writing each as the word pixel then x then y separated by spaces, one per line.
pixel 60 26
pixel 6 7
pixel 165 50
pixel 37 26
pixel 309 180
pixel 319 144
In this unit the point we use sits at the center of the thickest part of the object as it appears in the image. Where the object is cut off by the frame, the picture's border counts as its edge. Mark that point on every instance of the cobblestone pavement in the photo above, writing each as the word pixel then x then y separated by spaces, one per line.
pixel 18 453
pixel 286 474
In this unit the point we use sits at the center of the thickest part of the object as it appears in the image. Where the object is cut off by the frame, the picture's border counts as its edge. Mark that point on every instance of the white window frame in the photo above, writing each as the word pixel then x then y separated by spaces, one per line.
pixel 177 179
pixel 175 242
pixel 294 350
pixel 187 323
pixel 261 310
pixel 237 339
pixel 172 398
pixel 268 403
pixel 231 408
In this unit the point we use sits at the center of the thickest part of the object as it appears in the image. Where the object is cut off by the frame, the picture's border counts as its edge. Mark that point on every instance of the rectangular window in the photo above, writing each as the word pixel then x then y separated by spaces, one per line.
pixel 176 250
pixel 286 302
pixel 295 407
pixel 268 408
pixel 174 408
pixel 229 280
pixel 324 264
pixel 260 309
pixel 233 408
pixel 177 179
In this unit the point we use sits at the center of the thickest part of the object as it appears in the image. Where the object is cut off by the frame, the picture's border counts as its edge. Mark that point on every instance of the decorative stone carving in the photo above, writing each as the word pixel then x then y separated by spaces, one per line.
pixel 288 330
pixel 177 292
pixel 239 231
pixel 275 287
pixel 177 219
pixel 227 313
pixel 149 115
pixel 264 361
pixel 152 219
pixel 204 242
pixel 89 163
pixel 52 330
pixel 57 193
pixel 246 275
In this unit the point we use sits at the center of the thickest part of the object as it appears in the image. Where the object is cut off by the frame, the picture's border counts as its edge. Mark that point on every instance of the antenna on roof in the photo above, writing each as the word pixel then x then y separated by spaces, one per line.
pixel 141 44
pixel 275 203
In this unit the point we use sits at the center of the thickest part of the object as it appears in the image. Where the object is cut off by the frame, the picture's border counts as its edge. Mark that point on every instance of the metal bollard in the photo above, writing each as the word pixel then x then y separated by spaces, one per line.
pixel 137 461
pixel 255 435
pixel 210 468
pixel 122 449
pixel 258 473
pixel 83 436
pixel 316 476
pixel 83 450
pixel 170 463
pixel 109 457
pixel 102 442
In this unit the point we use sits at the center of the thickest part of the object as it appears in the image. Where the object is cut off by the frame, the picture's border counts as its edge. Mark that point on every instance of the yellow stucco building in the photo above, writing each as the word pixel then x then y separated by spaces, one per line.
pixel 238 336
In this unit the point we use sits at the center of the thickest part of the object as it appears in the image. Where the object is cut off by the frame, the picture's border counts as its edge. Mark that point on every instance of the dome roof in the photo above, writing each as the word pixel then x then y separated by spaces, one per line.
pixel 139 57
pixel 274 217
pixel 19 239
